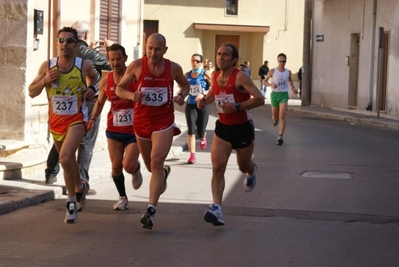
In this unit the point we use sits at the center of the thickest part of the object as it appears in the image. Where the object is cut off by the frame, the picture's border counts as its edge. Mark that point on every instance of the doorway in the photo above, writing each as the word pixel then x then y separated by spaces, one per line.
pixel 353 70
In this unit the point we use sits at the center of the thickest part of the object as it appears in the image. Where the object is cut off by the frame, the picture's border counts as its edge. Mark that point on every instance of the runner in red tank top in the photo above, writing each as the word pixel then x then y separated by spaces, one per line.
pixel 231 91
pixel 154 112
pixel 122 145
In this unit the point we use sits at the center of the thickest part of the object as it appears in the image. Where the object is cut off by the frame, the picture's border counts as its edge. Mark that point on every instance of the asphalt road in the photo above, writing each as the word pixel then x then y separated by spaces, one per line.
pixel 327 197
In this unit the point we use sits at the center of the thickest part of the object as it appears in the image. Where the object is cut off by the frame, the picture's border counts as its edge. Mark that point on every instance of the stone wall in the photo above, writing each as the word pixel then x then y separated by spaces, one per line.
pixel 13 52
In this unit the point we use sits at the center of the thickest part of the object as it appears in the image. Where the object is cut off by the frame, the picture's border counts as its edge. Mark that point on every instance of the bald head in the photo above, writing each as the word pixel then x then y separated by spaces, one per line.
pixel 158 38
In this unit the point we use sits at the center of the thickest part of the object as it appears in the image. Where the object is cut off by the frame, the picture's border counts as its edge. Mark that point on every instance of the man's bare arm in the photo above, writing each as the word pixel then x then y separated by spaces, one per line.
pixel 37 85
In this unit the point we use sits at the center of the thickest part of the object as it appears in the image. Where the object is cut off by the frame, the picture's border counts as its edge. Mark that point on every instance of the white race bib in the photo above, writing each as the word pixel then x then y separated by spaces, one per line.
pixel 123 117
pixel 195 89
pixel 223 98
pixel 155 96
pixel 65 105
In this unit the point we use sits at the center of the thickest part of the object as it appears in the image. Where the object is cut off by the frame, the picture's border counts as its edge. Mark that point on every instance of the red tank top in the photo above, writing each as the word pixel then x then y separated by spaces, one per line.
pixel 120 115
pixel 229 93
pixel 157 104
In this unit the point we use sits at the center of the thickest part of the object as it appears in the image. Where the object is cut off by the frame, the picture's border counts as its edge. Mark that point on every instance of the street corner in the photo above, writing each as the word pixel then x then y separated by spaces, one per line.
pixel 13 198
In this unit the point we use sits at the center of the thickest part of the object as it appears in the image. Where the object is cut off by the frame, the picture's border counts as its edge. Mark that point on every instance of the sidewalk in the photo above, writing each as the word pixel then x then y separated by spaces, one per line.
pixel 30 191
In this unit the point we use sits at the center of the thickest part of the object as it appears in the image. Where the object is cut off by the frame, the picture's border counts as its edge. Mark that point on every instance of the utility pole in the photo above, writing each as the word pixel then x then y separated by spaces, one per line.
pixel 307 54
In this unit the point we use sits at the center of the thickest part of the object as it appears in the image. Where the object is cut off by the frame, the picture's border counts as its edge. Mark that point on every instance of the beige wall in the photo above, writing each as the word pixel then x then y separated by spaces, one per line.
pixel 285 18
pixel 26 118
pixel 337 20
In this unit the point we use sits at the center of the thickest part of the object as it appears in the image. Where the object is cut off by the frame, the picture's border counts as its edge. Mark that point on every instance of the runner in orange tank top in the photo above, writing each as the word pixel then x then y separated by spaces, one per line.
pixel 66 80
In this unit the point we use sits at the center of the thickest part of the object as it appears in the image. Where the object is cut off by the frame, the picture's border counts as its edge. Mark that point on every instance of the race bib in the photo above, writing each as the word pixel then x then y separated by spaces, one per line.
pixel 123 117
pixel 155 96
pixel 65 105
pixel 224 98
pixel 195 89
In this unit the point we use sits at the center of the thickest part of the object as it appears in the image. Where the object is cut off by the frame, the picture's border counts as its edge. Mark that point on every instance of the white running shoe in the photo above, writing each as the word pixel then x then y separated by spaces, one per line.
pixel 137 178
pixel 250 182
pixel 121 204
pixel 214 215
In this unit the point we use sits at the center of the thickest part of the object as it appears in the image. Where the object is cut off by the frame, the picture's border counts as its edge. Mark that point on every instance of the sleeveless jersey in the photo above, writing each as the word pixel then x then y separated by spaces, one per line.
pixel 157 105
pixel 281 79
pixel 120 115
pixel 229 93
pixel 197 86
pixel 67 104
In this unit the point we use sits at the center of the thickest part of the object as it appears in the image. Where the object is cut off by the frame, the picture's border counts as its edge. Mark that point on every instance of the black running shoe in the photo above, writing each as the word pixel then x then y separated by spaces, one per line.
pixel 81 196
pixel 71 213
pixel 148 218
pixel 280 141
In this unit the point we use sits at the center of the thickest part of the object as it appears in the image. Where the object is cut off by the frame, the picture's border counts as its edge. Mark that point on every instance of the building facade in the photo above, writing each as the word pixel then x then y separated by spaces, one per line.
pixel 29 38
pixel 354 50
pixel 261 29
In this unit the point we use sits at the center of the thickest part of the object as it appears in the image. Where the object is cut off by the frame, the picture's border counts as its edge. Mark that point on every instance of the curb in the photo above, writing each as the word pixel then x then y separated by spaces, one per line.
pixel 18 198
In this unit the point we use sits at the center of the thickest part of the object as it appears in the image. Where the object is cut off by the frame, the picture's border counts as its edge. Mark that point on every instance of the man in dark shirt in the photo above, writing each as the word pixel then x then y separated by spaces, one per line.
pixel 263 70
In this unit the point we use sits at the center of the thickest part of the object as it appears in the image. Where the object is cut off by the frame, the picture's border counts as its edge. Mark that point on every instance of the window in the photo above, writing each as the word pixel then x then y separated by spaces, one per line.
pixel 110 13
pixel 231 7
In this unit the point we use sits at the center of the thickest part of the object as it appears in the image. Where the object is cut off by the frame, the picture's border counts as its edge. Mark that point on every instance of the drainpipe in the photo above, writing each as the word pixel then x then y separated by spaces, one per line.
pixel 307 54
pixel 370 105
pixel 285 21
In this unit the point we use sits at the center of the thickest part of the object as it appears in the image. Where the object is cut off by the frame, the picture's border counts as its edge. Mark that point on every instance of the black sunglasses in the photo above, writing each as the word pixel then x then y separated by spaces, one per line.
pixel 67 40
pixel 196 61
pixel 282 61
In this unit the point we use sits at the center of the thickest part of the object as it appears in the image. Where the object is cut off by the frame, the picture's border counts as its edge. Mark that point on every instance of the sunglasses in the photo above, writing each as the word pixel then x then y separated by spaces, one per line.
pixel 282 61
pixel 67 40
pixel 196 61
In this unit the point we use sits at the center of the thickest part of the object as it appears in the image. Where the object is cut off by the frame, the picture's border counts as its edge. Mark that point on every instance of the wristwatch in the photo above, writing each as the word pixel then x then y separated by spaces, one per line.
pixel 92 87
pixel 238 106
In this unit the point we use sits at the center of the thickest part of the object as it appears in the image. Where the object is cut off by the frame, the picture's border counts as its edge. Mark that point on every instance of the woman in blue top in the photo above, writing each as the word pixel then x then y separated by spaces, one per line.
pixel 197 119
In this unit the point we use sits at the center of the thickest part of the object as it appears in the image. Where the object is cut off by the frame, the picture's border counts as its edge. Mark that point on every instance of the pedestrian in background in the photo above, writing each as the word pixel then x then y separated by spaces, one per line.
pixel 234 94
pixel 122 145
pixel 247 68
pixel 263 70
pixel 281 79
pixel 154 119
pixel 209 66
pixel 197 119
pixel 68 81
pixel 300 71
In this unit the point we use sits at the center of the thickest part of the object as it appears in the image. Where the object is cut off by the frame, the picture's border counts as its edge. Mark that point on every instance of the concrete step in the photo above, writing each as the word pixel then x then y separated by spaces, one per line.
pixel 7 145
pixel 22 166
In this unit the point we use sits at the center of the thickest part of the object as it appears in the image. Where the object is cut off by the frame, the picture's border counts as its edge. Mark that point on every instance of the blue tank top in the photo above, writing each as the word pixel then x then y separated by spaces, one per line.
pixel 197 86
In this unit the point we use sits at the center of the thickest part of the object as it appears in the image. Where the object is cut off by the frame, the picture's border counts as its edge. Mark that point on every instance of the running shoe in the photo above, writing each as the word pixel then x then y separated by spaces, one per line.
pixel 148 218
pixel 121 204
pixel 275 123
pixel 167 171
pixel 191 159
pixel 203 143
pixel 280 141
pixel 214 215
pixel 51 180
pixel 81 196
pixel 250 182
pixel 137 178
pixel 71 213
